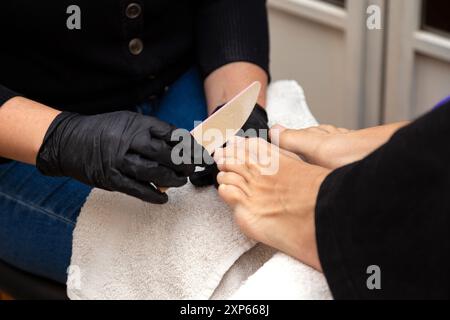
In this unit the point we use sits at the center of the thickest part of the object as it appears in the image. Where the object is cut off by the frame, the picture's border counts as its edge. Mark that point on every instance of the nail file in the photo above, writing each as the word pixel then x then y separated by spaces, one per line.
pixel 227 121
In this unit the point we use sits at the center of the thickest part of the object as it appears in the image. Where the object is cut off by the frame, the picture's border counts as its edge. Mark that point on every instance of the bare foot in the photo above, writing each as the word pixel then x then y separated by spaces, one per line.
pixel 324 145
pixel 273 195
pixel 331 147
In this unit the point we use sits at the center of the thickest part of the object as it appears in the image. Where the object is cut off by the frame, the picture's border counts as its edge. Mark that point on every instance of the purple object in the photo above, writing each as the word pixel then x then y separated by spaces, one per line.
pixel 440 104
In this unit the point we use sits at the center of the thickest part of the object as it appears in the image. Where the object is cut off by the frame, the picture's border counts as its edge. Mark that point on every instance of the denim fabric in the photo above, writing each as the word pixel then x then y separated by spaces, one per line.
pixel 38 216
pixel 182 105
pixel 38 213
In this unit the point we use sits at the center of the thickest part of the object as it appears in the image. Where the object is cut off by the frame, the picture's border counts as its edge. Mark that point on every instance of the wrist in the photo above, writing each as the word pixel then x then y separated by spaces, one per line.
pixel 48 154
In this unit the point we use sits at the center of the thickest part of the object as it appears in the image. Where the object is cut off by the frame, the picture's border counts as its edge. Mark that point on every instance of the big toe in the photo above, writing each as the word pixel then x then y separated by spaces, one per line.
pixel 232 195
pixel 287 139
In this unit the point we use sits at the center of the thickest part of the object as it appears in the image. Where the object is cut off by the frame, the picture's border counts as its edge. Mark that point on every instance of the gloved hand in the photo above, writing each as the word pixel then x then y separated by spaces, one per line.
pixel 120 151
pixel 257 121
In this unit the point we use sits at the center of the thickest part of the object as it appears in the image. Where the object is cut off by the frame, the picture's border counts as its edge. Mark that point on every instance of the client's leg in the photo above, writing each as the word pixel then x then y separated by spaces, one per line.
pixel 37 218
pixel 184 102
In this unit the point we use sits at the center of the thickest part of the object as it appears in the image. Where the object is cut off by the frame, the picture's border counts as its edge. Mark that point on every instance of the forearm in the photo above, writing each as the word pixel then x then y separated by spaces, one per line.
pixel 226 82
pixel 23 124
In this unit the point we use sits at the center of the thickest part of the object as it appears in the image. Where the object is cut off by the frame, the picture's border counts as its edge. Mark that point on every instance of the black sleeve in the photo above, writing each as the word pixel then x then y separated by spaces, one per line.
pixel 230 31
pixel 6 94
pixel 391 210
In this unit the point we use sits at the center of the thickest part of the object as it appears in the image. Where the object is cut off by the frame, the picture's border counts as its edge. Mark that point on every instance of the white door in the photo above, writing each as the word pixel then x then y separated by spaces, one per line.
pixel 325 45
pixel 418 57
pixel 354 76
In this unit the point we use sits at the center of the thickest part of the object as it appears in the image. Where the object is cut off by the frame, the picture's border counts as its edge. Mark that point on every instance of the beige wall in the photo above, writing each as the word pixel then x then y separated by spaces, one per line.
pixel 314 55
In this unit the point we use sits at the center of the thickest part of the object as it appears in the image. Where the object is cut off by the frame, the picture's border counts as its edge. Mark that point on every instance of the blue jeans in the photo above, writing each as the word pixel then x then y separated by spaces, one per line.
pixel 38 213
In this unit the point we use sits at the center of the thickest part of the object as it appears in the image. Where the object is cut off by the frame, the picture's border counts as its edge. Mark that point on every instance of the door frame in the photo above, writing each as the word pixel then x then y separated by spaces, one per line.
pixel 363 81
pixel 405 40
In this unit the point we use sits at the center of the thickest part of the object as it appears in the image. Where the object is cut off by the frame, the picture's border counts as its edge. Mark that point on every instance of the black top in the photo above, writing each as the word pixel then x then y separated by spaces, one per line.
pixel 391 210
pixel 126 50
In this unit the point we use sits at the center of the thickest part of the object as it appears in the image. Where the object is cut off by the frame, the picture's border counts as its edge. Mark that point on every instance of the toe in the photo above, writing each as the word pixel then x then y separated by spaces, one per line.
pixel 233 150
pixel 275 132
pixel 343 130
pixel 234 165
pixel 329 128
pixel 291 139
pixel 233 179
pixel 278 127
pixel 232 195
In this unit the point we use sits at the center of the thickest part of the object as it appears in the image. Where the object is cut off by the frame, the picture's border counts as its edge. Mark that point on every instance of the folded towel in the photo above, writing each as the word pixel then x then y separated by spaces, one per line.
pixel 284 278
pixel 190 248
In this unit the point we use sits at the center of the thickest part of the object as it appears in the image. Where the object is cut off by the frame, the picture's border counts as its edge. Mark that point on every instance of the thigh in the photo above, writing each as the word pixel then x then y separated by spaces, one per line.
pixel 37 218
pixel 184 103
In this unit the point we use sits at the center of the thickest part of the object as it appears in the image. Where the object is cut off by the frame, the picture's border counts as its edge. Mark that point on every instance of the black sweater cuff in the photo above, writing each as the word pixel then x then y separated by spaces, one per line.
pixel 332 259
pixel 6 94
pixel 390 211
pixel 232 31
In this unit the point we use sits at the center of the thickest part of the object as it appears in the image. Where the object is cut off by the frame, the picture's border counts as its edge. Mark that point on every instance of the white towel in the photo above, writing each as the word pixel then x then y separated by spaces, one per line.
pixel 190 248
pixel 284 278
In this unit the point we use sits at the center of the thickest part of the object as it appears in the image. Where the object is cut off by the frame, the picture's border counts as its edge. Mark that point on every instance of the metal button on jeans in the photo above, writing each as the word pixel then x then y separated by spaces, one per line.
pixel 136 46
pixel 133 10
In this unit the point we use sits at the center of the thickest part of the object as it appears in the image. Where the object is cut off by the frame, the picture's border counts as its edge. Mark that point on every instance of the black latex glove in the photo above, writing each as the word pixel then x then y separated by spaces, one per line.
pixel 257 120
pixel 120 151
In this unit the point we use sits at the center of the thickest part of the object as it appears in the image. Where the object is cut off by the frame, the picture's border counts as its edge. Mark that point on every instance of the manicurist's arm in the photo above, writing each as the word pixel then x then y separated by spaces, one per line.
pixel 227 81
pixel 119 151
pixel 233 52
pixel 23 124
pixel 390 210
